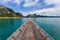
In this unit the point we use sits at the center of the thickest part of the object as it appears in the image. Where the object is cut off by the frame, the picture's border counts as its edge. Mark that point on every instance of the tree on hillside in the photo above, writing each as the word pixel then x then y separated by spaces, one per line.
pixel 19 14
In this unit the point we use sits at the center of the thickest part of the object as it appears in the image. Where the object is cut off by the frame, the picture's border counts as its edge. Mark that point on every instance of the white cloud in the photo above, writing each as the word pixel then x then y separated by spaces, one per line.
pixel 11 1
pixel 56 2
pixel 17 2
pixel 29 3
pixel 43 10
pixel 6 1
pixel 48 11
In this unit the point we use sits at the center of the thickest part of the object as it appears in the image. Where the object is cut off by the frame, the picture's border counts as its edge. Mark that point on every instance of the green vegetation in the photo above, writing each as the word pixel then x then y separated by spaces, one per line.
pixel 7 12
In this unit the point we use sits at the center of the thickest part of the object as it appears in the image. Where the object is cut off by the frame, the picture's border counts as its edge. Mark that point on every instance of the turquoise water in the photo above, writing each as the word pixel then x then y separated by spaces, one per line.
pixel 9 25
pixel 50 25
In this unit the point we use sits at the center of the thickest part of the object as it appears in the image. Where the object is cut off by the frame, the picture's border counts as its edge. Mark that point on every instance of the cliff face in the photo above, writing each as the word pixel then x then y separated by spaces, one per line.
pixel 7 12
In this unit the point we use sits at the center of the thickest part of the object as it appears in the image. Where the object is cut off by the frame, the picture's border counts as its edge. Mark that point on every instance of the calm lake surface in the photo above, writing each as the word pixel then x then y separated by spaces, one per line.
pixel 9 25
pixel 50 25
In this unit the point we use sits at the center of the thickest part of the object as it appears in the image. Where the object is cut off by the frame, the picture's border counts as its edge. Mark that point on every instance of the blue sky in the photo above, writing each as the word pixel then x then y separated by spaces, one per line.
pixel 29 6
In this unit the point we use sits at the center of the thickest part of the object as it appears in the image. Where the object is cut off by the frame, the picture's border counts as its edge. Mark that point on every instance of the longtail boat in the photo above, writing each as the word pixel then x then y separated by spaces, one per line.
pixel 29 31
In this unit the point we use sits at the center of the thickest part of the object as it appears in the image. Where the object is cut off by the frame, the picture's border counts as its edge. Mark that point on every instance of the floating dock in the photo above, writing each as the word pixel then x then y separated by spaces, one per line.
pixel 29 31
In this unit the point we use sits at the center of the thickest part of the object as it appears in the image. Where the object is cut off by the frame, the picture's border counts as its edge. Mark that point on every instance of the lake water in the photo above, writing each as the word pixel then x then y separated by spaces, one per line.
pixel 9 25
pixel 50 25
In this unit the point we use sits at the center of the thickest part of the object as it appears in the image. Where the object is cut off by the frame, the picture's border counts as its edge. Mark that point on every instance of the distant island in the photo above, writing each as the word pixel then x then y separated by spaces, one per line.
pixel 38 16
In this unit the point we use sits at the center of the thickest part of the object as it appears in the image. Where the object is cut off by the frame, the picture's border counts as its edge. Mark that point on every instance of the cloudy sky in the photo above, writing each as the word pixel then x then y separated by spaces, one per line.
pixel 42 7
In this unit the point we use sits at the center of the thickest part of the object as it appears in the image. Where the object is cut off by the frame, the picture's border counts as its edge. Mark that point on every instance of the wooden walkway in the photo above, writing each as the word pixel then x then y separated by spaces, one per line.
pixel 29 31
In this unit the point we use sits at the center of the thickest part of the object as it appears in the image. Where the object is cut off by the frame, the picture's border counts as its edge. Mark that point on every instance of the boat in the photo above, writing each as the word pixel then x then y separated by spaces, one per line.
pixel 29 31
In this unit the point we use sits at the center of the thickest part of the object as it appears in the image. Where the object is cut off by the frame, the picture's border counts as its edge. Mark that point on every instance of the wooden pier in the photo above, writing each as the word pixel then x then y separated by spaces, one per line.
pixel 29 31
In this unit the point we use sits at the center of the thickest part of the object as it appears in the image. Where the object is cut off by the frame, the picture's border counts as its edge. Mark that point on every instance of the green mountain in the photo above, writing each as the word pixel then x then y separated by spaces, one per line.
pixel 7 12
